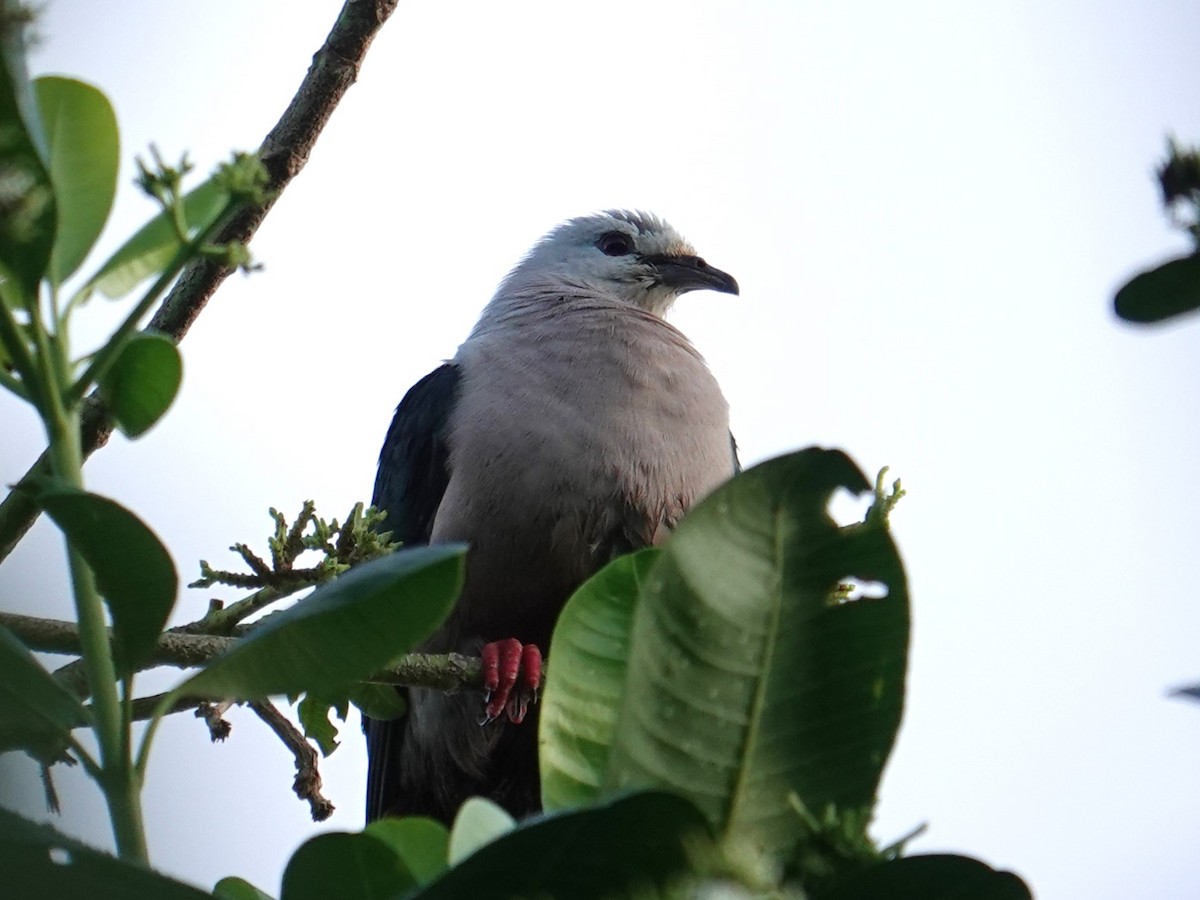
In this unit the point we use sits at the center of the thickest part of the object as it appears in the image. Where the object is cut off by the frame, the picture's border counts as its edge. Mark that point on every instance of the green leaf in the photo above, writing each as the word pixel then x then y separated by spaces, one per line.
pixel 155 244
pixel 36 711
pixel 142 382
pixel 630 847
pixel 40 862
pixel 379 701
pixel 133 569
pixel 81 131
pixel 746 683
pixel 313 713
pixel 27 213
pixel 234 888
pixel 478 822
pixel 344 631
pixel 929 877
pixel 337 864
pixel 421 843
pixel 1161 293
pixel 590 649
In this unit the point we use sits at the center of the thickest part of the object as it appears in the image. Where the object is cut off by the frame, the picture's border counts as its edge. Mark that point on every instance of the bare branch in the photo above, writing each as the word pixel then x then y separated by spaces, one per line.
pixel 308 780
pixel 183 651
pixel 284 152
pixel 443 672
pixel 448 672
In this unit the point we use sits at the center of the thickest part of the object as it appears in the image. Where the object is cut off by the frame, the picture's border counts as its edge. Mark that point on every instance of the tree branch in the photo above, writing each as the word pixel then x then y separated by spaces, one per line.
pixel 284 152
pixel 145 707
pixel 449 672
pixel 443 672
pixel 308 780
pixel 58 636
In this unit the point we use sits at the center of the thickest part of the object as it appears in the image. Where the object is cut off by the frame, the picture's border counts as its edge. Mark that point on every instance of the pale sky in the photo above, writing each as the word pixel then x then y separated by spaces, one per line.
pixel 928 207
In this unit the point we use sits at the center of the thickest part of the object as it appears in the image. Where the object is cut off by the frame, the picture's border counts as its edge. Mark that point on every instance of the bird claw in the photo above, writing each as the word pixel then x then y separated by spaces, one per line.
pixel 512 673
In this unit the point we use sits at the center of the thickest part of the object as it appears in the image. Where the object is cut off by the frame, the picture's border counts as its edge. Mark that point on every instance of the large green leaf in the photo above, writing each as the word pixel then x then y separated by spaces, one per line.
pixel 133 569
pixel 747 683
pixel 40 862
pixel 337 864
pixel 635 845
pixel 1162 292
pixel 344 631
pixel 81 132
pixel 36 711
pixel 27 212
pixel 155 244
pixel 142 382
pixel 590 649
pixel 932 877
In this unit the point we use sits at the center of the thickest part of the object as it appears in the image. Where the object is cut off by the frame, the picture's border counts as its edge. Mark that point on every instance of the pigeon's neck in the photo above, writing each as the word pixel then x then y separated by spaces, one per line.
pixel 520 305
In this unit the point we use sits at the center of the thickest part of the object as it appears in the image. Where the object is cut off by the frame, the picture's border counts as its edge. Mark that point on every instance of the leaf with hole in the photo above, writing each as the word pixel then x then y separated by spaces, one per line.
pixel 747 682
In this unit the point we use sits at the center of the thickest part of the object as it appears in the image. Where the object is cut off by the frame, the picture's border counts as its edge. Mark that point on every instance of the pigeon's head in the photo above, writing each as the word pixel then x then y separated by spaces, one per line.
pixel 633 256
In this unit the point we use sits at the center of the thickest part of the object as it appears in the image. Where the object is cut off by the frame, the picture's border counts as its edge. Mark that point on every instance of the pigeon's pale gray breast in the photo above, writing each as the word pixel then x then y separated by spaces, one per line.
pixel 576 424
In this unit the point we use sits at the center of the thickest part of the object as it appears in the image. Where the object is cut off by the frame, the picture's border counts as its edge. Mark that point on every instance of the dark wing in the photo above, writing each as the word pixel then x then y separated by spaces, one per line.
pixel 737 463
pixel 414 461
pixel 414 468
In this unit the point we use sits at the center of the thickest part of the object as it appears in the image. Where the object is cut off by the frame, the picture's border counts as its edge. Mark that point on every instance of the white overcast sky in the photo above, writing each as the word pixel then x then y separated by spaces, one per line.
pixel 928 206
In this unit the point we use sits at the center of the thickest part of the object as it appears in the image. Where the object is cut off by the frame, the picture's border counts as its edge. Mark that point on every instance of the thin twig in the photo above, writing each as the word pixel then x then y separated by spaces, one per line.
pixel 145 707
pixel 224 618
pixel 284 152
pixel 308 779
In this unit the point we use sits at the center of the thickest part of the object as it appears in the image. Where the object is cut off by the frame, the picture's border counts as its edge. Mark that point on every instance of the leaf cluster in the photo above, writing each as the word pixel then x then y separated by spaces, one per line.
pixel 60 145
pixel 713 720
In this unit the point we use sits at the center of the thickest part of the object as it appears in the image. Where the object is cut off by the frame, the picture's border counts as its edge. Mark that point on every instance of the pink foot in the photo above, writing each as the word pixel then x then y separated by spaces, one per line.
pixel 512 672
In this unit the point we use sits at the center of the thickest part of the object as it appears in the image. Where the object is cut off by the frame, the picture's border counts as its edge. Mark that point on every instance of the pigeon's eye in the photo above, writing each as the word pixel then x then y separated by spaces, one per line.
pixel 615 244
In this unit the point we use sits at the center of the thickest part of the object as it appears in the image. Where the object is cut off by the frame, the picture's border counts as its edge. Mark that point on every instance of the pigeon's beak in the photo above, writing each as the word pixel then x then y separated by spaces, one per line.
pixel 690 273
